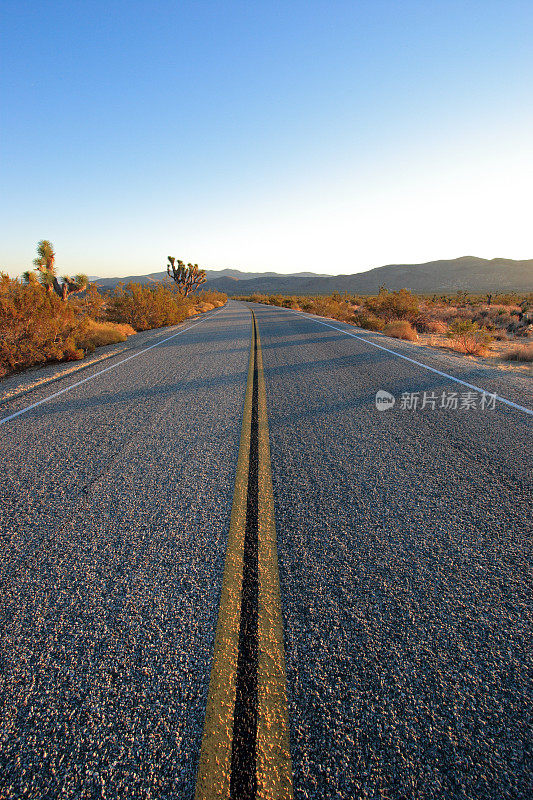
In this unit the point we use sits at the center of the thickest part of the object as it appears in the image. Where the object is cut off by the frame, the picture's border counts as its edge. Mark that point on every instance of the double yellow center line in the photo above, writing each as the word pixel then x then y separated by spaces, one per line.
pixel 245 748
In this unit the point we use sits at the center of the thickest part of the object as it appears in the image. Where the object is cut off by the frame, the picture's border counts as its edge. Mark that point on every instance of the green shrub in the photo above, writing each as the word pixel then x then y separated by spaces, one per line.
pixel 468 337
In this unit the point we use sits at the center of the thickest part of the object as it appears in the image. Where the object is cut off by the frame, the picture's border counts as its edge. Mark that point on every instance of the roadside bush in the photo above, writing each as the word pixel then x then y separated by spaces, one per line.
pixel 422 322
pixel 394 305
pixel 35 327
pixel 144 307
pixel 500 335
pixel 522 352
pixel 401 329
pixel 92 303
pixel 469 338
pixel 437 326
pixel 329 307
pixel 217 299
pixel 368 321
pixel 97 334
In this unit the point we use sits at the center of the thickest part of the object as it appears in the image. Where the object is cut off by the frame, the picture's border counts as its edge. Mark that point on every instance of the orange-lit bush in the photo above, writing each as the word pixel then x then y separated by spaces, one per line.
pixel 144 307
pixel 35 327
pixel 401 329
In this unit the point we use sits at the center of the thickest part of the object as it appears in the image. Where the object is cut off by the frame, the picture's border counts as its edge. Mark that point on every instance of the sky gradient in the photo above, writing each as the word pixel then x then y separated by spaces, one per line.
pixel 325 136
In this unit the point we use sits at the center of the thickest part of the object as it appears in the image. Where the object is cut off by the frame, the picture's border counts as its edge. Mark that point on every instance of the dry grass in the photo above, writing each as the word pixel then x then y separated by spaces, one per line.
pixel 97 334
pixel 218 299
pixel 401 329
pixel 523 352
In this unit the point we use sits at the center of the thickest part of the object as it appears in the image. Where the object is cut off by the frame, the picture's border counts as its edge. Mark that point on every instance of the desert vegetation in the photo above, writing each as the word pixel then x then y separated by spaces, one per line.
pixel 478 325
pixel 45 275
pixel 45 318
pixel 522 352
pixel 187 278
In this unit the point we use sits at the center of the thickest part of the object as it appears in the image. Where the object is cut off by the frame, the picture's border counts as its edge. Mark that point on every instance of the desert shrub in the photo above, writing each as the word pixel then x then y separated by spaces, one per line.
pixel 500 335
pixel 522 352
pixel 329 306
pixel 445 314
pixel 421 322
pixel 295 303
pixel 370 322
pixel 400 329
pixel 35 326
pixel 437 326
pixel 502 319
pixel 401 304
pixel 92 303
pixel 426 323
pixel 145 307
pixel 524 331
pixel 307 304
pixel 469 337
pixel 217 299
pixel 464 313
pixel 96 334
pixel 510 299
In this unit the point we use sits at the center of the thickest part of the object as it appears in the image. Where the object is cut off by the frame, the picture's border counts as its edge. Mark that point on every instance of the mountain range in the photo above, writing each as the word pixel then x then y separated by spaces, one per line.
pixel 467 273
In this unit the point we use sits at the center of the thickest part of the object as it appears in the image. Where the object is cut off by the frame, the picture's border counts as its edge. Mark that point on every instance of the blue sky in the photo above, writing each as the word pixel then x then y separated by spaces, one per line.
pixel 328 136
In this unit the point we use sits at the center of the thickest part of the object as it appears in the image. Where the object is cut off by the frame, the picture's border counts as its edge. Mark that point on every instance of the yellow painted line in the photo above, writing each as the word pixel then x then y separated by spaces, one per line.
pixel 273 766
pixel 214 769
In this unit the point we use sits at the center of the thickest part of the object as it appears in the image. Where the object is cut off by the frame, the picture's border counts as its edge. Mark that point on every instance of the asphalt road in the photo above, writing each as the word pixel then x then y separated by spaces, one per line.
pixel 403 557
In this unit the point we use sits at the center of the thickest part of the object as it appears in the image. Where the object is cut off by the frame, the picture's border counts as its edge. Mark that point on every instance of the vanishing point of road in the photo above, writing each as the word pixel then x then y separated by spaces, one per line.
pixel 225 573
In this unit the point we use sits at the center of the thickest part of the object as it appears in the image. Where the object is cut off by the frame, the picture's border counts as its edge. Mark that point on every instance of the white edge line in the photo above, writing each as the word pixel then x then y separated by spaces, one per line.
pixel 418 363
pixel 101 372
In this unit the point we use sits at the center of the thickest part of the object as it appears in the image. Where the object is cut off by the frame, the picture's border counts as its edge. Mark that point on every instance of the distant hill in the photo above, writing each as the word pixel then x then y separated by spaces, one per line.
pixel 231 275
pixel 467 273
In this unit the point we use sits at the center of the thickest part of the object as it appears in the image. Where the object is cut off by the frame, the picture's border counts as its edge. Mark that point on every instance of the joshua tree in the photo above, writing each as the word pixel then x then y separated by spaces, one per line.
pixel 188 278
pixel 45 265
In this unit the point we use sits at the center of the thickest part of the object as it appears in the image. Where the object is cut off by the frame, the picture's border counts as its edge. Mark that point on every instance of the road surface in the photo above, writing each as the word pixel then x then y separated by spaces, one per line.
pixel 402 544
